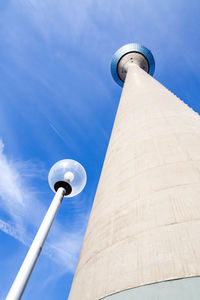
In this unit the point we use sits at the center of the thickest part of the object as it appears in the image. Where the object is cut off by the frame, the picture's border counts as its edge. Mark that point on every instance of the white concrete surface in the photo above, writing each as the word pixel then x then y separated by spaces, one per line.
pixel 145 222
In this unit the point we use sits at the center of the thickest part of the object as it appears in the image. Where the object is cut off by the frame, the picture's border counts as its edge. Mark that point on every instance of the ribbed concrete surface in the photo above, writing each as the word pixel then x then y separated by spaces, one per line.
pixel 145 222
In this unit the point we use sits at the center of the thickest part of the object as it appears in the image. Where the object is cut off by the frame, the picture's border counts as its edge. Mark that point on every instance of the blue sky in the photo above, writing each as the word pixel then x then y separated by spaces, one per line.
pixel 58 100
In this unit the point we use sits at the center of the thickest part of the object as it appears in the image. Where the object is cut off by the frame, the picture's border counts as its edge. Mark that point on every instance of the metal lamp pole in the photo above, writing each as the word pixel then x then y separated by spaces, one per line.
pixel 65 172
pixel 21 280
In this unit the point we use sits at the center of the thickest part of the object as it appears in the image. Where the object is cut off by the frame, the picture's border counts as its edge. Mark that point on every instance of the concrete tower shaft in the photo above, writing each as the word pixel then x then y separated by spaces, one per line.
pixel 145 220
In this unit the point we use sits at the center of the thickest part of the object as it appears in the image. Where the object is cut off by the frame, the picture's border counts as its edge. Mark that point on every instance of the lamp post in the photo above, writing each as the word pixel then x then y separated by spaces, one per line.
pixel 67 178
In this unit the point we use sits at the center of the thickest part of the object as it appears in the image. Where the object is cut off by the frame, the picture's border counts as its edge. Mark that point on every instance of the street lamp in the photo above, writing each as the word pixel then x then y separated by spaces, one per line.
pixel 67 178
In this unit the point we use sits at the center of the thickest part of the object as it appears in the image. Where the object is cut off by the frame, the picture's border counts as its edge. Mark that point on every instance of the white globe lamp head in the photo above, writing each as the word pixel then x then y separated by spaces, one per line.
pixel 70 175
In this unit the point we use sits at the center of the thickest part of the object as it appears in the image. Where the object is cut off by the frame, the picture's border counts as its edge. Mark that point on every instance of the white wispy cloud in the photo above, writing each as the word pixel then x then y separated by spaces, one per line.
pixel 20 204
pixel 10 230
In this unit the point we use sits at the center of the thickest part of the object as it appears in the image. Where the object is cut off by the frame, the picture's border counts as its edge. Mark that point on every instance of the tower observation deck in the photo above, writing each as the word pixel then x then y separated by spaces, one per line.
pixel 142 240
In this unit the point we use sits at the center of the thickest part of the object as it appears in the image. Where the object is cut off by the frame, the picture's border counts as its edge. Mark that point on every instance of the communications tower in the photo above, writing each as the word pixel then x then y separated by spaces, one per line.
pixel 143 236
